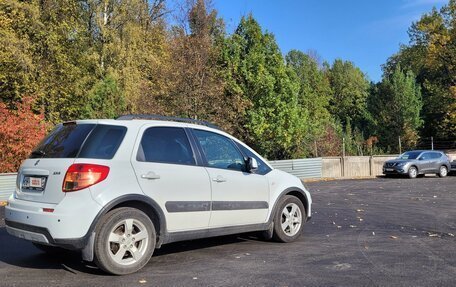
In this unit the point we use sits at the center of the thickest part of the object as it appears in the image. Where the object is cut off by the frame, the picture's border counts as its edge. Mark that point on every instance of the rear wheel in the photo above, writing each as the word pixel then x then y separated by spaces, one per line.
pixel 125 241
pixel 289 219
pixel 412 172
pixel 443 171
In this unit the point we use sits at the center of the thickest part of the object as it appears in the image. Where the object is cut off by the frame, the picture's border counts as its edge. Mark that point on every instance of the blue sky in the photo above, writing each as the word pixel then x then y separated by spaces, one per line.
pixel 365 32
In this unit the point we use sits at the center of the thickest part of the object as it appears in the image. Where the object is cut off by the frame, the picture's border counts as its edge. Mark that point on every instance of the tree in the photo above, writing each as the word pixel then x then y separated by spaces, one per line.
pixel 19 25
pixel 350 92
pixel 197 84
pixel 272 121
pixel 105 99
pixel 21 130
pixel 396 103
pixel 313 96
pixel 431 56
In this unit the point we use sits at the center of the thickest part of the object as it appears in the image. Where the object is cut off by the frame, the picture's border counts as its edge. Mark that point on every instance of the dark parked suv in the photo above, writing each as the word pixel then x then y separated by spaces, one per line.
pixel 418 163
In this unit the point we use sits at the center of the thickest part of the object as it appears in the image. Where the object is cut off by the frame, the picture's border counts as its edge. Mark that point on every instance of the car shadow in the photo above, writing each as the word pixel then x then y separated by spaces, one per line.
pixel 22 253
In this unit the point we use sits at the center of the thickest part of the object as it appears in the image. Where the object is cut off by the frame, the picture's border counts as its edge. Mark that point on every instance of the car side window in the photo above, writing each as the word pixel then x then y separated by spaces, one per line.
pixel 165 145
pixel 436 155
pixel 262 167
pixel 425 156
pixel 219 151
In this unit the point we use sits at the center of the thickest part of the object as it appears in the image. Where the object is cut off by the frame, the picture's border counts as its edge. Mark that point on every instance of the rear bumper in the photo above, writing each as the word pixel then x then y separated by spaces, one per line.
pixel 67 226
pixel 42 235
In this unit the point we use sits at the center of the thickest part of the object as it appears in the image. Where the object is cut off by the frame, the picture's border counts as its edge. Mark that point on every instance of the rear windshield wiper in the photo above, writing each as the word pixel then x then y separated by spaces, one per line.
pixel 38 152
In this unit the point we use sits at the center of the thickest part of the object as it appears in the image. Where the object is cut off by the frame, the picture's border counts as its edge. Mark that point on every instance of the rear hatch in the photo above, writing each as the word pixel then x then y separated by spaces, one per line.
pixel 41 176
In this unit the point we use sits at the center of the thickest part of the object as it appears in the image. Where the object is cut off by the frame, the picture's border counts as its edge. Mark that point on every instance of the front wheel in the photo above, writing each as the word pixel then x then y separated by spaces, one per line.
pixel 443 171
pixel 412 172
pixel 125 241
pixel 289 219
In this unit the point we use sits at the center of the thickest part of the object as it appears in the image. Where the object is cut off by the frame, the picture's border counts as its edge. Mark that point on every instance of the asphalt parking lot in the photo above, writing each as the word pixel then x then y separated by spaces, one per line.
pixel 376 232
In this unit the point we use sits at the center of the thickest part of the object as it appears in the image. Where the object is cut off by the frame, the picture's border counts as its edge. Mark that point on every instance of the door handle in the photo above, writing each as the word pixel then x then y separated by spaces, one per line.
pixel 150 175
pixel 219 179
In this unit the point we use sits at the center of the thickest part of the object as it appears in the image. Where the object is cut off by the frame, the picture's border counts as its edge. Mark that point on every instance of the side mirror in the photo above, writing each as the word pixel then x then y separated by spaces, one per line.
pixel 252 164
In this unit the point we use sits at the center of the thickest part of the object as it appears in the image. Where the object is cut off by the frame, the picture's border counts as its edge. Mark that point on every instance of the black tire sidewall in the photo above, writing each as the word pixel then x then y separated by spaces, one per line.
pixel 279 234
pixel 103 259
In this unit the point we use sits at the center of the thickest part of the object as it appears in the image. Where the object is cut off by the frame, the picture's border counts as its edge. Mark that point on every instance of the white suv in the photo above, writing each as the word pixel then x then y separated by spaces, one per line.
pixel 118 189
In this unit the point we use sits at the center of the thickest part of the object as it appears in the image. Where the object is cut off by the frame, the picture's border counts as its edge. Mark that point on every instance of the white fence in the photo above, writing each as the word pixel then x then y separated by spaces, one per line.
pixel 302 168
pixel 7 184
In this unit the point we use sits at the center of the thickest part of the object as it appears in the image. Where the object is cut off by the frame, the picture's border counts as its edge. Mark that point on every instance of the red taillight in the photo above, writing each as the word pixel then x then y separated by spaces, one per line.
pixel 83 175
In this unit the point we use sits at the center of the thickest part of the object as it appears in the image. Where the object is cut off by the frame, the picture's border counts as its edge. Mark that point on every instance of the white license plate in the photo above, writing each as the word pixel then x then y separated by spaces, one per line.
pixel 34 183
pixel 389 169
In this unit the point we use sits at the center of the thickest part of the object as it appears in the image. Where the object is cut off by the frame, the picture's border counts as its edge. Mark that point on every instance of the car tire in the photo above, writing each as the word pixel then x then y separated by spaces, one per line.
pixel 443 171
pixel 412 172
pixel 128 231
pixel 289 219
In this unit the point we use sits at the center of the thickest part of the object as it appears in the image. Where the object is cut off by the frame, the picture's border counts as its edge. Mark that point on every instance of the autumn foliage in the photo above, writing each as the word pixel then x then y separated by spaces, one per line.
pixel 21 129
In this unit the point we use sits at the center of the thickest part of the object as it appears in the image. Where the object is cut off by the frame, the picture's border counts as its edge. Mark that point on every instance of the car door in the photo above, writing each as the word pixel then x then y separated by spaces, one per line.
pixel 166 169
pixel 238 197
pixel 436 161
pixel 425 162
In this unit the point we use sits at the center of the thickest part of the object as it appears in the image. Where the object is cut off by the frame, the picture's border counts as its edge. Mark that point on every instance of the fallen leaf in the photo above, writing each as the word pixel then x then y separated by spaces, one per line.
pixel 360 210
pixel 373 233
pixel 451 234
pixel 393 237
pixel 338 226
pixel 142 281
pixel 352 226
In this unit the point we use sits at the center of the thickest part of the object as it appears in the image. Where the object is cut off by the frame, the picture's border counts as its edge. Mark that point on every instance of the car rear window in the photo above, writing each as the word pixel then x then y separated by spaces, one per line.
pixel 80 140
pixel 103 142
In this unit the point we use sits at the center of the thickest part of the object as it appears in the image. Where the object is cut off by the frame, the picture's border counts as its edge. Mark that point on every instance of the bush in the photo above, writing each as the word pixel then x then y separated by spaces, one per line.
pixel 21 130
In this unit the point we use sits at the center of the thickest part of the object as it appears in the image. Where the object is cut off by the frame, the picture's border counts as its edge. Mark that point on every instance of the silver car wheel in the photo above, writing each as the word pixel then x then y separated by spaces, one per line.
pixel 291 219
pixel 443 171
pixel 413 172
pixel 128 241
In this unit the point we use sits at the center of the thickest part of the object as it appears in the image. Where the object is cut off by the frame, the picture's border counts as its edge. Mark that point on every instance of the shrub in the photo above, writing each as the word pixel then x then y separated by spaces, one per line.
pixel 21 130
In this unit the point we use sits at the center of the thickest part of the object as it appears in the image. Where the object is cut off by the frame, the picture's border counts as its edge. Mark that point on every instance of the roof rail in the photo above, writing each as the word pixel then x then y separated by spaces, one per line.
pixel 166 118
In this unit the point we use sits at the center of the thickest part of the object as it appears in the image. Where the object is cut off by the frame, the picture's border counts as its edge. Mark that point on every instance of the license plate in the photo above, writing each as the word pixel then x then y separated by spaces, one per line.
pixel 34 183
pixel 389 169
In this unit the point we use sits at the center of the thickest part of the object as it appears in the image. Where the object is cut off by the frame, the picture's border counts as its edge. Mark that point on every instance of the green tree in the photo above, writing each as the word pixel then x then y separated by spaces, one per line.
pixel 313 96
pixel 350 89
pixel 105 99
pixel 273 121
pixel 19 25
pixel 431 56
pixel 396 103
